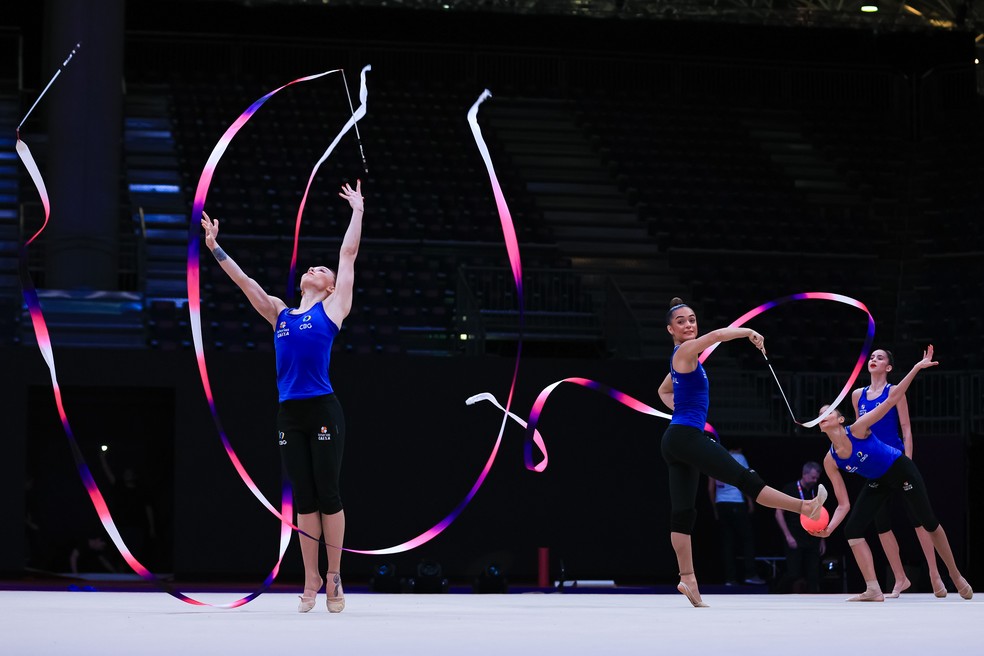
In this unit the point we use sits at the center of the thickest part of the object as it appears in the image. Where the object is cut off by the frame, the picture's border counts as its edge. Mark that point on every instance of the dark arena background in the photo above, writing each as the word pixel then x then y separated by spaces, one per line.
pixel 726 152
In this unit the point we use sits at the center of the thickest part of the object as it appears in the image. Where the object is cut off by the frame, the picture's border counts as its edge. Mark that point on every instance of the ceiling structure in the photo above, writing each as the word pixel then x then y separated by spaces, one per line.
pixel 884 15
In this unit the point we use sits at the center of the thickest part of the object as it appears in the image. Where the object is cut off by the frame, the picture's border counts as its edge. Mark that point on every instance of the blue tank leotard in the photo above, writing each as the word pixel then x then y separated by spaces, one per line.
pixel 885 429
pixel 690 396
pixel 303 344
pixel 869 457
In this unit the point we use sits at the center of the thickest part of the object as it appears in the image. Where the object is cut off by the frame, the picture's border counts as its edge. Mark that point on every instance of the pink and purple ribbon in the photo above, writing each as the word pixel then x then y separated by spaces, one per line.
pixel 44 345
pixel 533 436
pixel 512 247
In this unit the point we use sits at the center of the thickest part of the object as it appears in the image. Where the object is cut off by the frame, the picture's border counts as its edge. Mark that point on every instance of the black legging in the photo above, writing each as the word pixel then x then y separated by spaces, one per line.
pixel 883 518
pixel 688 452
pixel 312 439
pixel 902 475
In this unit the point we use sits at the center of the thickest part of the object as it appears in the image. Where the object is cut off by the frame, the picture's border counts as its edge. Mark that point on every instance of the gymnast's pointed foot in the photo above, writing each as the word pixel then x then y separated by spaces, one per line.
pixel 900 587
pixel 309 598
pixel 689 589
pixel 963 588
pixel 815 505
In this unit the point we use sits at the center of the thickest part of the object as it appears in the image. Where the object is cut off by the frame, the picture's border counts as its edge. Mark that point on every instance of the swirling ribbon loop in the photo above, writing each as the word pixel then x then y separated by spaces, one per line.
pixel 44 345
pixel 512 246
pixel 195 309
pixel 194 267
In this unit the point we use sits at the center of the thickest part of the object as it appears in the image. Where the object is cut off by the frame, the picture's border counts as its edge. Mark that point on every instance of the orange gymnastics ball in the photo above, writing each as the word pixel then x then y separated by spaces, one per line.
pixel 816 524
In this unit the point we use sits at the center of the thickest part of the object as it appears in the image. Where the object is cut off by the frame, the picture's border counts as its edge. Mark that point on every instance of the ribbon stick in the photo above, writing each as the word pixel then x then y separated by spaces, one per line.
pixel 358 137
pixel 48 86
pixel 44 345
pixel 811 296
pixel 357 115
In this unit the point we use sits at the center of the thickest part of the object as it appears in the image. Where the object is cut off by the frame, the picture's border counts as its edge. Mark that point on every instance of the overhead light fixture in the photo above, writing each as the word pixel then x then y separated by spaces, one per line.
pixel 869 8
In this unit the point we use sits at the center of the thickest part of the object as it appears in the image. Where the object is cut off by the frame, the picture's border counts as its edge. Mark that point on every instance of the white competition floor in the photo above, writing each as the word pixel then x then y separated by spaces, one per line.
pixel 80 623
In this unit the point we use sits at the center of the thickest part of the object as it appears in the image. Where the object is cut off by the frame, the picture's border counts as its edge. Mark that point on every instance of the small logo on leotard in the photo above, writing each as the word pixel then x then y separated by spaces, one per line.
pixel 283 439
pixel 323 434
pixel 907 486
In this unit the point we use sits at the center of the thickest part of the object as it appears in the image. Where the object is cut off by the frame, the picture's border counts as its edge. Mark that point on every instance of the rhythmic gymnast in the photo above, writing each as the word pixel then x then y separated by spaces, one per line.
pixel 888 470
pixel 310 421
pixel 688 451
pixel 887 429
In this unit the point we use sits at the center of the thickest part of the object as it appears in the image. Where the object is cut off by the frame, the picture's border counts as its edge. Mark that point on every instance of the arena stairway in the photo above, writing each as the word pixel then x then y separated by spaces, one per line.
pixel 159 203
pixel 595 225
pixel 9 219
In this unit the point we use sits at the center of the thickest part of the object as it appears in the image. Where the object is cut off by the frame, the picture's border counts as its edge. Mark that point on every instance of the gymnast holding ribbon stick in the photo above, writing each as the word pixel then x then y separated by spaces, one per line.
pixel 310 421
pixel 688 451
pixel 888 429
pixel 888 470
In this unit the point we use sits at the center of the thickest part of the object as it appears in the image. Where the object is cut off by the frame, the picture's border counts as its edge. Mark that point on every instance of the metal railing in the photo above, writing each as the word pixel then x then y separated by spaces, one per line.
pixel 623 334
pixel 749 403
pixel 555 305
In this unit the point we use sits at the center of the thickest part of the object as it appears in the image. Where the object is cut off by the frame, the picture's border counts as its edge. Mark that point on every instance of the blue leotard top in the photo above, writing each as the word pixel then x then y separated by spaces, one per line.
pixel 869 457
pixel 690 396
pixel 885 429
pixel 303 344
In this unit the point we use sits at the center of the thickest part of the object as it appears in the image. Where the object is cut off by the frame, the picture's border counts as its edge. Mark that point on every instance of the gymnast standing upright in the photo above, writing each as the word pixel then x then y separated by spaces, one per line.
pixel 689 452
pixel 310 421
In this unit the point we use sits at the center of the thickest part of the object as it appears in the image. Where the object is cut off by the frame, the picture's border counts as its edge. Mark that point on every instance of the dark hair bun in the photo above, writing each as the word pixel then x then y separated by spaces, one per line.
pixel 676 301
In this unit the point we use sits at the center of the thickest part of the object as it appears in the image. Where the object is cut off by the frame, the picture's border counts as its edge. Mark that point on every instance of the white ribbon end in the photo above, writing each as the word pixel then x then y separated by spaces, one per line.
pixel 484 396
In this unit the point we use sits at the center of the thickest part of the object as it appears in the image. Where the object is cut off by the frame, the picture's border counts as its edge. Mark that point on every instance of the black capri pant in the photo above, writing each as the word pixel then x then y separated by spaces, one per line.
pixel 688 452
pixel 883 518
pixel 902 475
pixel 312 439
